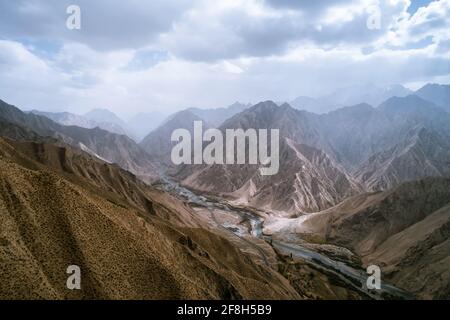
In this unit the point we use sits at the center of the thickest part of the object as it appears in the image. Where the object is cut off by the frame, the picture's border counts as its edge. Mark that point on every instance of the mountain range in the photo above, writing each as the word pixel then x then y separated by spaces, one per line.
pixel 348 96
pixel 63 206
pixel 367 183
pixel 308 180
pixel 103 144
pixel 215 117
pixel 371 94
pixel 324 158
pixel 436 93
pixel 101 118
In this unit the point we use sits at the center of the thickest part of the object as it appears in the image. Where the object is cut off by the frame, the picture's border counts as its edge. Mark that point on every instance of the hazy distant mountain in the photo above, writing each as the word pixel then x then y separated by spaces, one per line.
pixel 70 119
pixel 410 111
pixel 368 93
pixel 404 139
pixel 139 126
pixel 436 93
pixel 308 180
pixel 423 154
pixel 354 134
pixel 158 142
pixel 412 141
pixel 109 121
pixel 104 115
pixel 316 105
pixel 215 117
pixel 144 123
pixel 104 144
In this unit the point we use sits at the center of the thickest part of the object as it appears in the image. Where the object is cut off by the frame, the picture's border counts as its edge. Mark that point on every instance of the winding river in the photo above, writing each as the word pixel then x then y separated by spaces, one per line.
pixel 354 278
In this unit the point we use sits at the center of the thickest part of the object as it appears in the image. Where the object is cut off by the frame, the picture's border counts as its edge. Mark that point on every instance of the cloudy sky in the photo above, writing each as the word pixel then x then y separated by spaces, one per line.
pixel 132 56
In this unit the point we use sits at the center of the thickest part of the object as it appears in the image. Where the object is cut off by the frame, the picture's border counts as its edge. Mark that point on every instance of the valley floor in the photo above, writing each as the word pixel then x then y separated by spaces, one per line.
pixel 340 271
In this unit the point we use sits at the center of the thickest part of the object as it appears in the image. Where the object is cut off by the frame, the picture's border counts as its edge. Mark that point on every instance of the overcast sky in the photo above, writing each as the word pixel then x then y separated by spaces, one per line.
pixel 132 56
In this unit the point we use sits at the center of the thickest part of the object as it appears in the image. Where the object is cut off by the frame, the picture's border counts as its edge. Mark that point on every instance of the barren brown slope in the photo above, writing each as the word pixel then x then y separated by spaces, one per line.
pixel 405 231
pixel 49 222
pixel 418 258
pixel 110 181
pixel 308 181
pixel 366 226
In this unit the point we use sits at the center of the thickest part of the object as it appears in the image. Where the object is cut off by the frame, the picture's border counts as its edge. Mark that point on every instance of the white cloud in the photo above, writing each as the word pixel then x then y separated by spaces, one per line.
pixel 212 53
pixel 21 72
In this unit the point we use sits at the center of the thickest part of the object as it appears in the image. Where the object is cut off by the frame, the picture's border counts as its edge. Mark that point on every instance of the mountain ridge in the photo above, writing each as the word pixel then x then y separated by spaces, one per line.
pixel 110 146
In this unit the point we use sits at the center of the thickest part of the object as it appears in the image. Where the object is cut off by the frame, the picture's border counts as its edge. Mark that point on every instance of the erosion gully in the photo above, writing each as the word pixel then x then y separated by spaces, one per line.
pixel 354 278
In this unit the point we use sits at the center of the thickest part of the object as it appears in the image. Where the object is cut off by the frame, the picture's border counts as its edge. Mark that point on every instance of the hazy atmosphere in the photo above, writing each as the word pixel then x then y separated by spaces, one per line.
pixel 140 56
pixel 256 150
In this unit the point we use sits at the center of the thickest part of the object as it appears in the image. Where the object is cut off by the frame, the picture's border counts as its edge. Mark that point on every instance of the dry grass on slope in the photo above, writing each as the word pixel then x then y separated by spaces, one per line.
pixel 49 221
pixel 107 180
